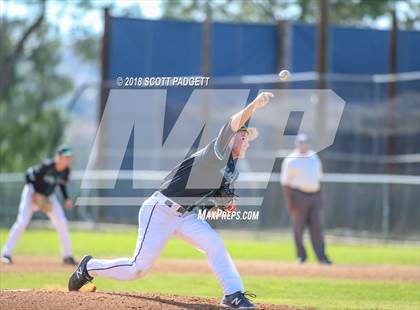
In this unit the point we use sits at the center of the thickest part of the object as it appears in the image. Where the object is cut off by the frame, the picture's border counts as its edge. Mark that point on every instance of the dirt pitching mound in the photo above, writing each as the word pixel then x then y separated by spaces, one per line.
pixel 56 299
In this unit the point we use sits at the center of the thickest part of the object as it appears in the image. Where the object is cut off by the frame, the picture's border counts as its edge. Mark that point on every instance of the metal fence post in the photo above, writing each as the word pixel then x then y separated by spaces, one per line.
pixel 385 211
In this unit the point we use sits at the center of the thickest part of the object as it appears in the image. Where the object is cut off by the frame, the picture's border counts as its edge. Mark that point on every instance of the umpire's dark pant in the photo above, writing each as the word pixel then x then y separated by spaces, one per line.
pixel 307 212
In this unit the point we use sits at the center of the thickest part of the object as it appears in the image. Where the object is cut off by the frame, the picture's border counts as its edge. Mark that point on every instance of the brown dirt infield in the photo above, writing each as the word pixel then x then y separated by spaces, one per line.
pixel 56 299
pixel 256 268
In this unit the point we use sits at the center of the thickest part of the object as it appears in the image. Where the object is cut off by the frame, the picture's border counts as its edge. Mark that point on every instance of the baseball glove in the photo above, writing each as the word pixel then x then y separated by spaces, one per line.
pixel 224 199
pixel 42 202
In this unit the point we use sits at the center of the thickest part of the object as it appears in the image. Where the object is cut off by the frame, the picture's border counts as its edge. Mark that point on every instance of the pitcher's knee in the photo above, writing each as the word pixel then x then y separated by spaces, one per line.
pixel 137 272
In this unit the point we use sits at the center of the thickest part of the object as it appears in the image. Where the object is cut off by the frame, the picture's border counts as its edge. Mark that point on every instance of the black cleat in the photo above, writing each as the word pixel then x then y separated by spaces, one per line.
pixel 69 260
pixel 301 260
pixel 80 277
pixel 6 259
pixel 326 262
pixel 238 300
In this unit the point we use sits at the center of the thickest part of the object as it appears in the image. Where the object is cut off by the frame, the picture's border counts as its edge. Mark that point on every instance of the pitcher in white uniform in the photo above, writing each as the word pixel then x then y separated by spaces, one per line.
pixel 170 211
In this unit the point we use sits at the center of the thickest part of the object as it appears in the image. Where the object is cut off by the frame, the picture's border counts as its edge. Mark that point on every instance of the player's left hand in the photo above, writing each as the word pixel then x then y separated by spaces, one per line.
pixel 68 204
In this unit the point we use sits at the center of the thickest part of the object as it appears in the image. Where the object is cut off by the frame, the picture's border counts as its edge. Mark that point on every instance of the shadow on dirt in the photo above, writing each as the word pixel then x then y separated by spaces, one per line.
pixel 167 301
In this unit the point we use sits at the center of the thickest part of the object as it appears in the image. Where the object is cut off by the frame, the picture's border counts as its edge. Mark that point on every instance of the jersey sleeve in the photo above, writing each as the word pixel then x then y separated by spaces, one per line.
pixel 37 172
pixel 222 141
pixel 65 177
pixel 63 183
pixel 216 151
pixel 63 189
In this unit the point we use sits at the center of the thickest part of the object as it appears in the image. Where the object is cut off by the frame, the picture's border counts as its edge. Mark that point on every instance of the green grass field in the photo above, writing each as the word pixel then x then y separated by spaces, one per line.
pixel 322 293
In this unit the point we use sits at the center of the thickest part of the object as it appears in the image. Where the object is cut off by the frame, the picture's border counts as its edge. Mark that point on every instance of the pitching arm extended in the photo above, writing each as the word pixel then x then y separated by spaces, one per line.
pixel 240 118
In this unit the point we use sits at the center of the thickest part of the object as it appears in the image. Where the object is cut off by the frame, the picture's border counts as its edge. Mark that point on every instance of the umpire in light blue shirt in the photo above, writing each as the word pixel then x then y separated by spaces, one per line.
pixel 301 173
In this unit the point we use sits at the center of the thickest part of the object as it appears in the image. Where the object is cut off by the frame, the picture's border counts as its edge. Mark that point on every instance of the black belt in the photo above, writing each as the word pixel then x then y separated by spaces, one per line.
pixel 171 204
pixel 305 193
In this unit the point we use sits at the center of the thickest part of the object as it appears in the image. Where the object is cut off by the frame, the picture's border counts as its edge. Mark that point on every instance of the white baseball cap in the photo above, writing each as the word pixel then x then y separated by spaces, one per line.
pixel 302 138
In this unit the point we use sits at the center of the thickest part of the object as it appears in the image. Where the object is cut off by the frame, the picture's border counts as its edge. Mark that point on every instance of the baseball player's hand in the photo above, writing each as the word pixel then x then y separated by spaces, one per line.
pixel 68 204
pixel 262 99
pixel 42 202
pixel 231 208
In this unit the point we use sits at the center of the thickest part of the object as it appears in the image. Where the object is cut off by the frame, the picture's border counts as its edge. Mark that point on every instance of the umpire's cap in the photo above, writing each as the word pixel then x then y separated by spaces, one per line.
pixel 302 138
pixel 252 132
pixel 65 151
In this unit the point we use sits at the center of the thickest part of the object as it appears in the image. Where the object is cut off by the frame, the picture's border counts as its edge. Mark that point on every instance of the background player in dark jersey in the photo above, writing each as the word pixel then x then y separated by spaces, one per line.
pixel 38 195
pixel 171 211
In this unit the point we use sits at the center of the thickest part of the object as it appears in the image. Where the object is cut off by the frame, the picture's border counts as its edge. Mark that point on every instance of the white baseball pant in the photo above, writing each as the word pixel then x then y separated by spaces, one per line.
pixel 157 223
pixel 26 209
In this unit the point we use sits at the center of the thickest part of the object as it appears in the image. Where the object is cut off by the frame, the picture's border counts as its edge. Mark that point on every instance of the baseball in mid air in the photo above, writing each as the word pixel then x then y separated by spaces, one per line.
pixel 284 75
